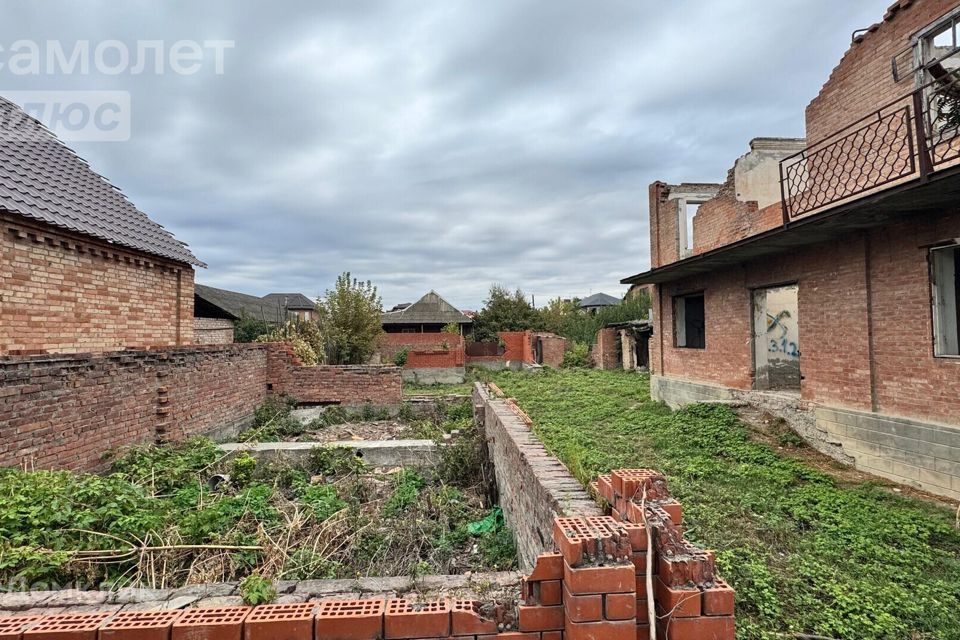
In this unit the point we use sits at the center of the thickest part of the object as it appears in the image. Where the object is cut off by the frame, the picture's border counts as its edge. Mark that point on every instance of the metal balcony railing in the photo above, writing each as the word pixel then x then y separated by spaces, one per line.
pixel 911 137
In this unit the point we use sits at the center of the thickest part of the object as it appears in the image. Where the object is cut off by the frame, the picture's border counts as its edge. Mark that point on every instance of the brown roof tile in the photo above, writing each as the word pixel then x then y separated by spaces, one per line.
pixel 43 179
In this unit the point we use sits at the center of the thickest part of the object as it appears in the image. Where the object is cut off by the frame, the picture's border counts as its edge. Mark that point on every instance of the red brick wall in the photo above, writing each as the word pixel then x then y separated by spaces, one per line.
pixel 553 349
pixel 66 294
pixel 439 359
pixel 517 346
pixel 605 350
pixel 425 350
pixel 910 380
pixel 68 410
pixel 663 226
pixel 834 327
pixel 862 81
pixel 348 385
pixel 724 219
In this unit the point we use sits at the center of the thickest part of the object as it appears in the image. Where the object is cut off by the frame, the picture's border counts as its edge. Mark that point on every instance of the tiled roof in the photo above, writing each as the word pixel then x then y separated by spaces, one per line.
pixel 599 300
pixel 430 309
pixel 42 179
pixel 237 304
pixel 289 300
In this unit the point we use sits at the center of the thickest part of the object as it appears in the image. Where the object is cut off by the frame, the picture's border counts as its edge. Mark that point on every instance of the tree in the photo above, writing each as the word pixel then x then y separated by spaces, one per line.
pixel 305 338
pixel 248 328
pixel 505 311
pixel 567 319
pixel 350 320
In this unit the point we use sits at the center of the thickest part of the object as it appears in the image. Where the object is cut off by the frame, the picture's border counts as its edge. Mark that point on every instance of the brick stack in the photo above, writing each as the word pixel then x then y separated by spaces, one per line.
pixel 691 601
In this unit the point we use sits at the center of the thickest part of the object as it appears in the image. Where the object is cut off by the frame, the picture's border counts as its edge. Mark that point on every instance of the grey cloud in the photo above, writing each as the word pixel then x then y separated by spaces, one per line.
pixel 440 144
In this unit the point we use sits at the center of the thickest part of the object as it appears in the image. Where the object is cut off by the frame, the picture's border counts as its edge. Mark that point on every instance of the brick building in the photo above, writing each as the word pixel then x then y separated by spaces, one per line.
pixel 81 268
pixel 216 311
pixel 821 280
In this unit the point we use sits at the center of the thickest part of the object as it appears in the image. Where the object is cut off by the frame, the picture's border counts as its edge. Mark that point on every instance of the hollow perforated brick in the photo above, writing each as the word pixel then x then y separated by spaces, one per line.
pixel 218 623
pixel 350 619
pixel 588 608
pixel 603 630
pixel 670 508
pixel 613 578
pixel 549 566
pixel 11 628
pixel 718 599
pixel 280 622
pixel 466 619
pixel 637 533
pixel 139 625
pixel 585 539
pixel 605 488
pixel 550 593
pixel 540 618
pixel 575 538
pixel 702 628
pixel 627 483
pixel 620 606
pixel 690 566
pixel 66 626
pixel 409 618
pixel 675 602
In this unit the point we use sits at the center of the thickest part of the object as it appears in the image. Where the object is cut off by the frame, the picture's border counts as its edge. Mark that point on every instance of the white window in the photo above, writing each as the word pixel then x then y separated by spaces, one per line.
pixel 945 276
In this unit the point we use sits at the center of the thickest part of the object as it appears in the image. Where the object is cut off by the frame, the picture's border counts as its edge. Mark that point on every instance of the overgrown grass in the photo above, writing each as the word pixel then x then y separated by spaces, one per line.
pixel 804 553
pixel 158 519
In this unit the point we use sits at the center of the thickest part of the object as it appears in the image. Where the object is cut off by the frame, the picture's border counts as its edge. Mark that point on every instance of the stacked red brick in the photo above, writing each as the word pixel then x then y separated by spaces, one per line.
pixel 691 601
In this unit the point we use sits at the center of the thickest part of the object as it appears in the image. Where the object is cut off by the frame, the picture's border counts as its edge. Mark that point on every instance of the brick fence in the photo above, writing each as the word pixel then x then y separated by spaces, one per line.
pixel 534 486
pixel 66 411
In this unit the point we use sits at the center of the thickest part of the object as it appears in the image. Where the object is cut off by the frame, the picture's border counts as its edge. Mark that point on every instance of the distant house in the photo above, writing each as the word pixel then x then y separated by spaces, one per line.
pixel 82 269
pixel 296 304
pixel 429 314
pixel 216 311
pixel 598 301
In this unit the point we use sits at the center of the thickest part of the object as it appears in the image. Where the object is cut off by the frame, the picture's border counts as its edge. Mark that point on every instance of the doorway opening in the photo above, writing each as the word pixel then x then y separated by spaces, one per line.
pixel 776 338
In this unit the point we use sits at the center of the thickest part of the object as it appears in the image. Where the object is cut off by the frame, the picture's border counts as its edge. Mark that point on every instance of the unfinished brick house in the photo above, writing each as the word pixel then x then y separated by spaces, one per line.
pixel 82 269
pixel 821 279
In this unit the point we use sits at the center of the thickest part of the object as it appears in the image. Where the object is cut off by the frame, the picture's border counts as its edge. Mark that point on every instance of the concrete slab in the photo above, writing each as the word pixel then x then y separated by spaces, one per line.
pixel 417 454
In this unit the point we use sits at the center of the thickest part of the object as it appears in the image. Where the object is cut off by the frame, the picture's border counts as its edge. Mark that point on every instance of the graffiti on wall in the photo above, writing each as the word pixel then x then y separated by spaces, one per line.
pixel 782 330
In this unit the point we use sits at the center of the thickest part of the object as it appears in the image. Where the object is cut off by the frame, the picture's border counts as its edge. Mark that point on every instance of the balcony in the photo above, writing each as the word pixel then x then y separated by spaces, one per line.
pixel 902 159
pixel 908 139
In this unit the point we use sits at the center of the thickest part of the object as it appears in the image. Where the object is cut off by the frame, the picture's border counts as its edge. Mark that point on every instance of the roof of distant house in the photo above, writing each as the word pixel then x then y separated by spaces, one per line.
pixel 238 304
pixel 599 300
pixel 42 179
pixel 293 301
pixel 430 309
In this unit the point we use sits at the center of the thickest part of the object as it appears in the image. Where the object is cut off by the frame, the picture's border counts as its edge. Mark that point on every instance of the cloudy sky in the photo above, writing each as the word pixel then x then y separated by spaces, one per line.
pixel 438 144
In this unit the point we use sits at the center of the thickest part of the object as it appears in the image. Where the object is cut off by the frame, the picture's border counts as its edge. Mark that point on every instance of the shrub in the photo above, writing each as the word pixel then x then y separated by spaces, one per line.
pixel 400 357
pixel 577 357
pixel 242 469
pixel 256 590
pixel 351 320
pixel 303 336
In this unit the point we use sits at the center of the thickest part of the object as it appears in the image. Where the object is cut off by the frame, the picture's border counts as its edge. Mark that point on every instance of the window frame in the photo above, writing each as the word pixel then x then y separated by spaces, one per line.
pixel 936 306
pixel 676 328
